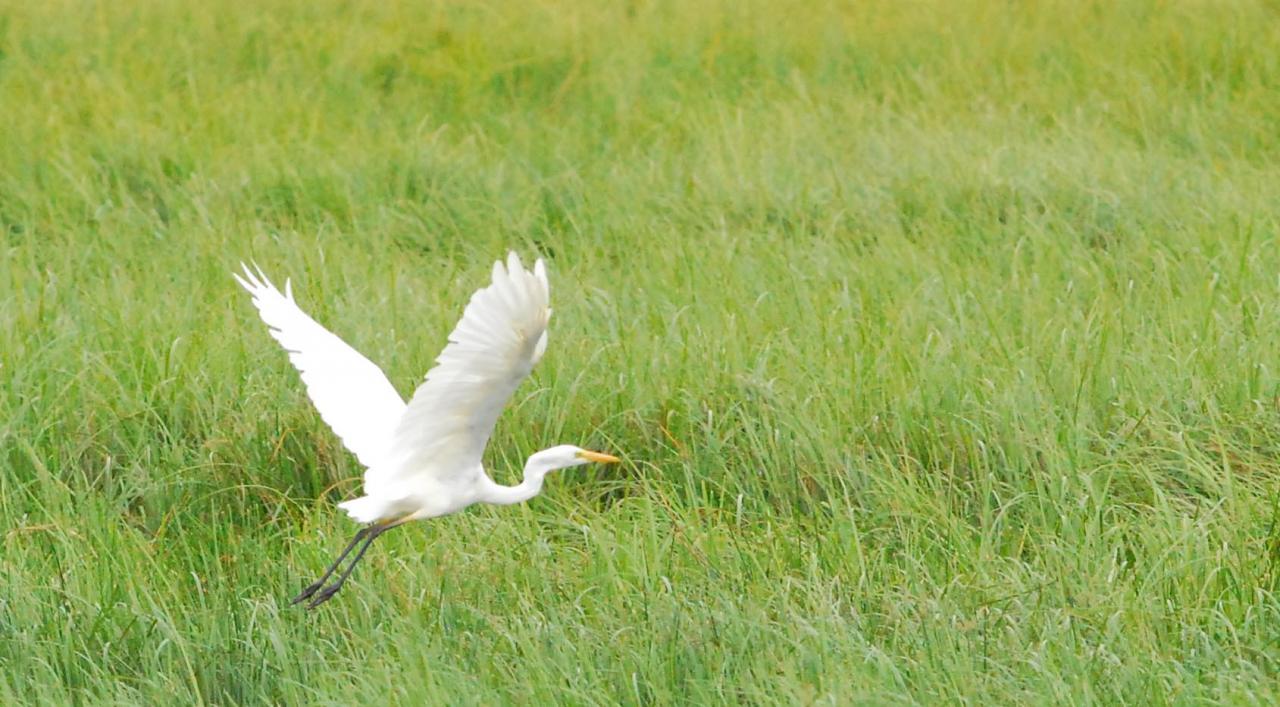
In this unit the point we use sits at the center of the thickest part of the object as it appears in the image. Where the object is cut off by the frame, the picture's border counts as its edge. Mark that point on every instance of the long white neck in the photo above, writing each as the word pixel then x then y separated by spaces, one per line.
pixel 534 472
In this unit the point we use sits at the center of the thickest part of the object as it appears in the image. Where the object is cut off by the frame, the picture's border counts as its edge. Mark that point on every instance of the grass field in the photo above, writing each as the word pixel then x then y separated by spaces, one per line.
pixel 941 339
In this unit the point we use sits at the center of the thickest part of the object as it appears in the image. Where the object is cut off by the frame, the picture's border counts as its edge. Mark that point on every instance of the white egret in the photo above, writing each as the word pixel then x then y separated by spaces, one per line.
pixel 423 459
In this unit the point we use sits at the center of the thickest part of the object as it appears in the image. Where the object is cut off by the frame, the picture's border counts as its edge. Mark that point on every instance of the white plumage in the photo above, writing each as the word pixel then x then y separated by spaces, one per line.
pixel 502 334
pixel 424 459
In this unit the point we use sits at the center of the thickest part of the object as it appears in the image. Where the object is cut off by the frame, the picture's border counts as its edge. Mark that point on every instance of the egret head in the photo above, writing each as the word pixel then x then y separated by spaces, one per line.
pixel 567 455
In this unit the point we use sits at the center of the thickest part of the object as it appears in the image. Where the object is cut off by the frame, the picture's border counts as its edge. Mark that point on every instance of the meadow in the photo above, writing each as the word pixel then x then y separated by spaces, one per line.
pixel 941 341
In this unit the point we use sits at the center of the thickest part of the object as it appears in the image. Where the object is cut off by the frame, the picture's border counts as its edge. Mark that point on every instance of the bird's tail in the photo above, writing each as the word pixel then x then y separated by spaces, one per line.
pixel 367 509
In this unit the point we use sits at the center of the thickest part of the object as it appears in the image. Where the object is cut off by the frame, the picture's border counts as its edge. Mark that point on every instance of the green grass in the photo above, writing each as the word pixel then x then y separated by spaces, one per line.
pixel 942 340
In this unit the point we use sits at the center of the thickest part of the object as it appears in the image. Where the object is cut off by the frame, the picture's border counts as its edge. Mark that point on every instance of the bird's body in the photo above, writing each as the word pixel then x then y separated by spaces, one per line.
pixel 423 458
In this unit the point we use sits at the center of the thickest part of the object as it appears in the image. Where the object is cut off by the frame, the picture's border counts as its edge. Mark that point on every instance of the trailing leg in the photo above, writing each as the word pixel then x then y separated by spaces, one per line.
pixel 316 585
pixel 327 593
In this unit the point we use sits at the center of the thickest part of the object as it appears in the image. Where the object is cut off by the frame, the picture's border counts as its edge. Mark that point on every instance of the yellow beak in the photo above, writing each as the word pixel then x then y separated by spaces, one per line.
pixel 598 457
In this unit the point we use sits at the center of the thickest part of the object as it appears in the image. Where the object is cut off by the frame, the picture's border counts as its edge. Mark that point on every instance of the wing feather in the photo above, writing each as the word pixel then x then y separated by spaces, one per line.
pixel 352 394
pixel 495 345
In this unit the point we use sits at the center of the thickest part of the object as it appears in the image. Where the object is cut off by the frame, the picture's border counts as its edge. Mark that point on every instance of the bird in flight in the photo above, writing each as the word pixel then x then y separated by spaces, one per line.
pixel 423 459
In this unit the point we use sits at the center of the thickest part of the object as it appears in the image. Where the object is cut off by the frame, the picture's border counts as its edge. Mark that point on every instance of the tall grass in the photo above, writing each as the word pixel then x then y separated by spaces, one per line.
pixel 941 339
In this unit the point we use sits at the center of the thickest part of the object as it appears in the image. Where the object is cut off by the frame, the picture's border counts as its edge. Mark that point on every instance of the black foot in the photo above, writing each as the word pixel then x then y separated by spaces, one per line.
pixel 324 595
pixel 306 593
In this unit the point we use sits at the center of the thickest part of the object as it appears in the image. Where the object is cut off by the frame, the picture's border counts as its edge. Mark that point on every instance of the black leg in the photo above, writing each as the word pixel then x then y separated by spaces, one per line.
pixel 316 585
pixel 327 593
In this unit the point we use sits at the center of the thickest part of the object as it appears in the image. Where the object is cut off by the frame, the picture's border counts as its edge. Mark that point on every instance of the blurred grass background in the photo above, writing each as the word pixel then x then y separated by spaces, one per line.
pixel 940 339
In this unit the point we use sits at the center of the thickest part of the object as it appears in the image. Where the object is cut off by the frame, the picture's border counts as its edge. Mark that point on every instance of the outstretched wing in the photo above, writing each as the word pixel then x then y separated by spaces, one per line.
pixel 502 334
pixel 352 394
